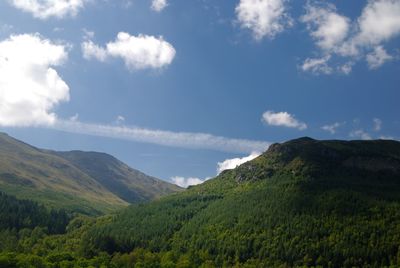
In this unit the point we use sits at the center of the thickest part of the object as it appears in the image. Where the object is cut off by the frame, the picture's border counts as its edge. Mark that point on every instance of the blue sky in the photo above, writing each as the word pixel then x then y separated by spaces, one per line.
pixel 175 87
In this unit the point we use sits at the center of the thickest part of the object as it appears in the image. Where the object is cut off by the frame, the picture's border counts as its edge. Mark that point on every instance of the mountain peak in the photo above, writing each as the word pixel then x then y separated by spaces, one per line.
pixel 307 157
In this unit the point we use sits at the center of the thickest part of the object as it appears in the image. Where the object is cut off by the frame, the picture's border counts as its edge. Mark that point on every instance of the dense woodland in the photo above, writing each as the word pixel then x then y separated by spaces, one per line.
pixel 284 209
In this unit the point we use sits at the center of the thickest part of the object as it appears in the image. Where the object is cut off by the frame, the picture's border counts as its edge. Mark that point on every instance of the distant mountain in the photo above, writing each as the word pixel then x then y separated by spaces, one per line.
pixel 91 183
pixel 127 183
pixel 302 203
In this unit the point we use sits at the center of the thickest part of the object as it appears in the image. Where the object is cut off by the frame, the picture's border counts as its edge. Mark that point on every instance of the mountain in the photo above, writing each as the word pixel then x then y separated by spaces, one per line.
pixel 127 183
pixel 302 203
pixel 87 182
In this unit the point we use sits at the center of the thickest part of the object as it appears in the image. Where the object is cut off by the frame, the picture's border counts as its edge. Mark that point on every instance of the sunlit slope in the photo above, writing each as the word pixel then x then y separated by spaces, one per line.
pixel 52 179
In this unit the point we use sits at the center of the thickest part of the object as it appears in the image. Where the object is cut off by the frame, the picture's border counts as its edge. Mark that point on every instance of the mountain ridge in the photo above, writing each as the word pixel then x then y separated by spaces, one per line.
pixel 56 179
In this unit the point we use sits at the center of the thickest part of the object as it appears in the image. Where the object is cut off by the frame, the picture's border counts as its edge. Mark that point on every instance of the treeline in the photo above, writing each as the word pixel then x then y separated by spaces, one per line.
pixel 18 214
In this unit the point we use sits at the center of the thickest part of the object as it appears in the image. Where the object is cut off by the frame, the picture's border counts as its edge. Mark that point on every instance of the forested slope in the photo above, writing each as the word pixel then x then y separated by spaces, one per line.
pixel 304 202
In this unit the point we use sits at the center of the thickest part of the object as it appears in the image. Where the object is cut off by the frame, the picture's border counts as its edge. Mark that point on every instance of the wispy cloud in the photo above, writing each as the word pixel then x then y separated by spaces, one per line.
pixel 187 140
pixel 332 128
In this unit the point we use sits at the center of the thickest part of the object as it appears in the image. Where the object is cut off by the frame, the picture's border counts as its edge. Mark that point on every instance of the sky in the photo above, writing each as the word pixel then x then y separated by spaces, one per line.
pixel 182 90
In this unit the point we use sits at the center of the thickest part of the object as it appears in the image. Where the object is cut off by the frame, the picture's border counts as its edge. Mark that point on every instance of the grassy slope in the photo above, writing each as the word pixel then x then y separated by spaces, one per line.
pixel 46 177
pixel 304 202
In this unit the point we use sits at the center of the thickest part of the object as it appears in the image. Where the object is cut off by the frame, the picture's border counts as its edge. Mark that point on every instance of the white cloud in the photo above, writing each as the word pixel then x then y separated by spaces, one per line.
pixel 161 137
pixel 336 35
pixel 378 57
pixel 377 124
pixel 138 52
pixel 379 22
pixel 332 128
pixel 186 182
pixel 263 17
pixel 158 5
pixel 317 65
pixel 282 119
pixel 44 9
pixel 29 87
pixel 360 134
pixel 234 162
pixel 92 51
pixel 327 27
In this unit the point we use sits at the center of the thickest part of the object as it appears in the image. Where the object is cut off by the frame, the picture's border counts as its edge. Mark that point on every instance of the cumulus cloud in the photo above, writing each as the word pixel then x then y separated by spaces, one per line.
pixel 360 134
pixel 378 57
pixel 265 18
pixel 283 119
pixel 363 38
pixel 317 65
pixel 44 9
pixel 187 140
pixel 158 5
pixel 29 86
pixel 327 27
pixel 138 52
pixel 332 128
pixel 379 22
pixel 186 182
pixel 235 162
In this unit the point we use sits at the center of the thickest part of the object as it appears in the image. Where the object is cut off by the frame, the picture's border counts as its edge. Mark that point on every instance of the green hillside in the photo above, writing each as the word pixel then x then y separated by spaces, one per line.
pixel 304 202
pixel 59 180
